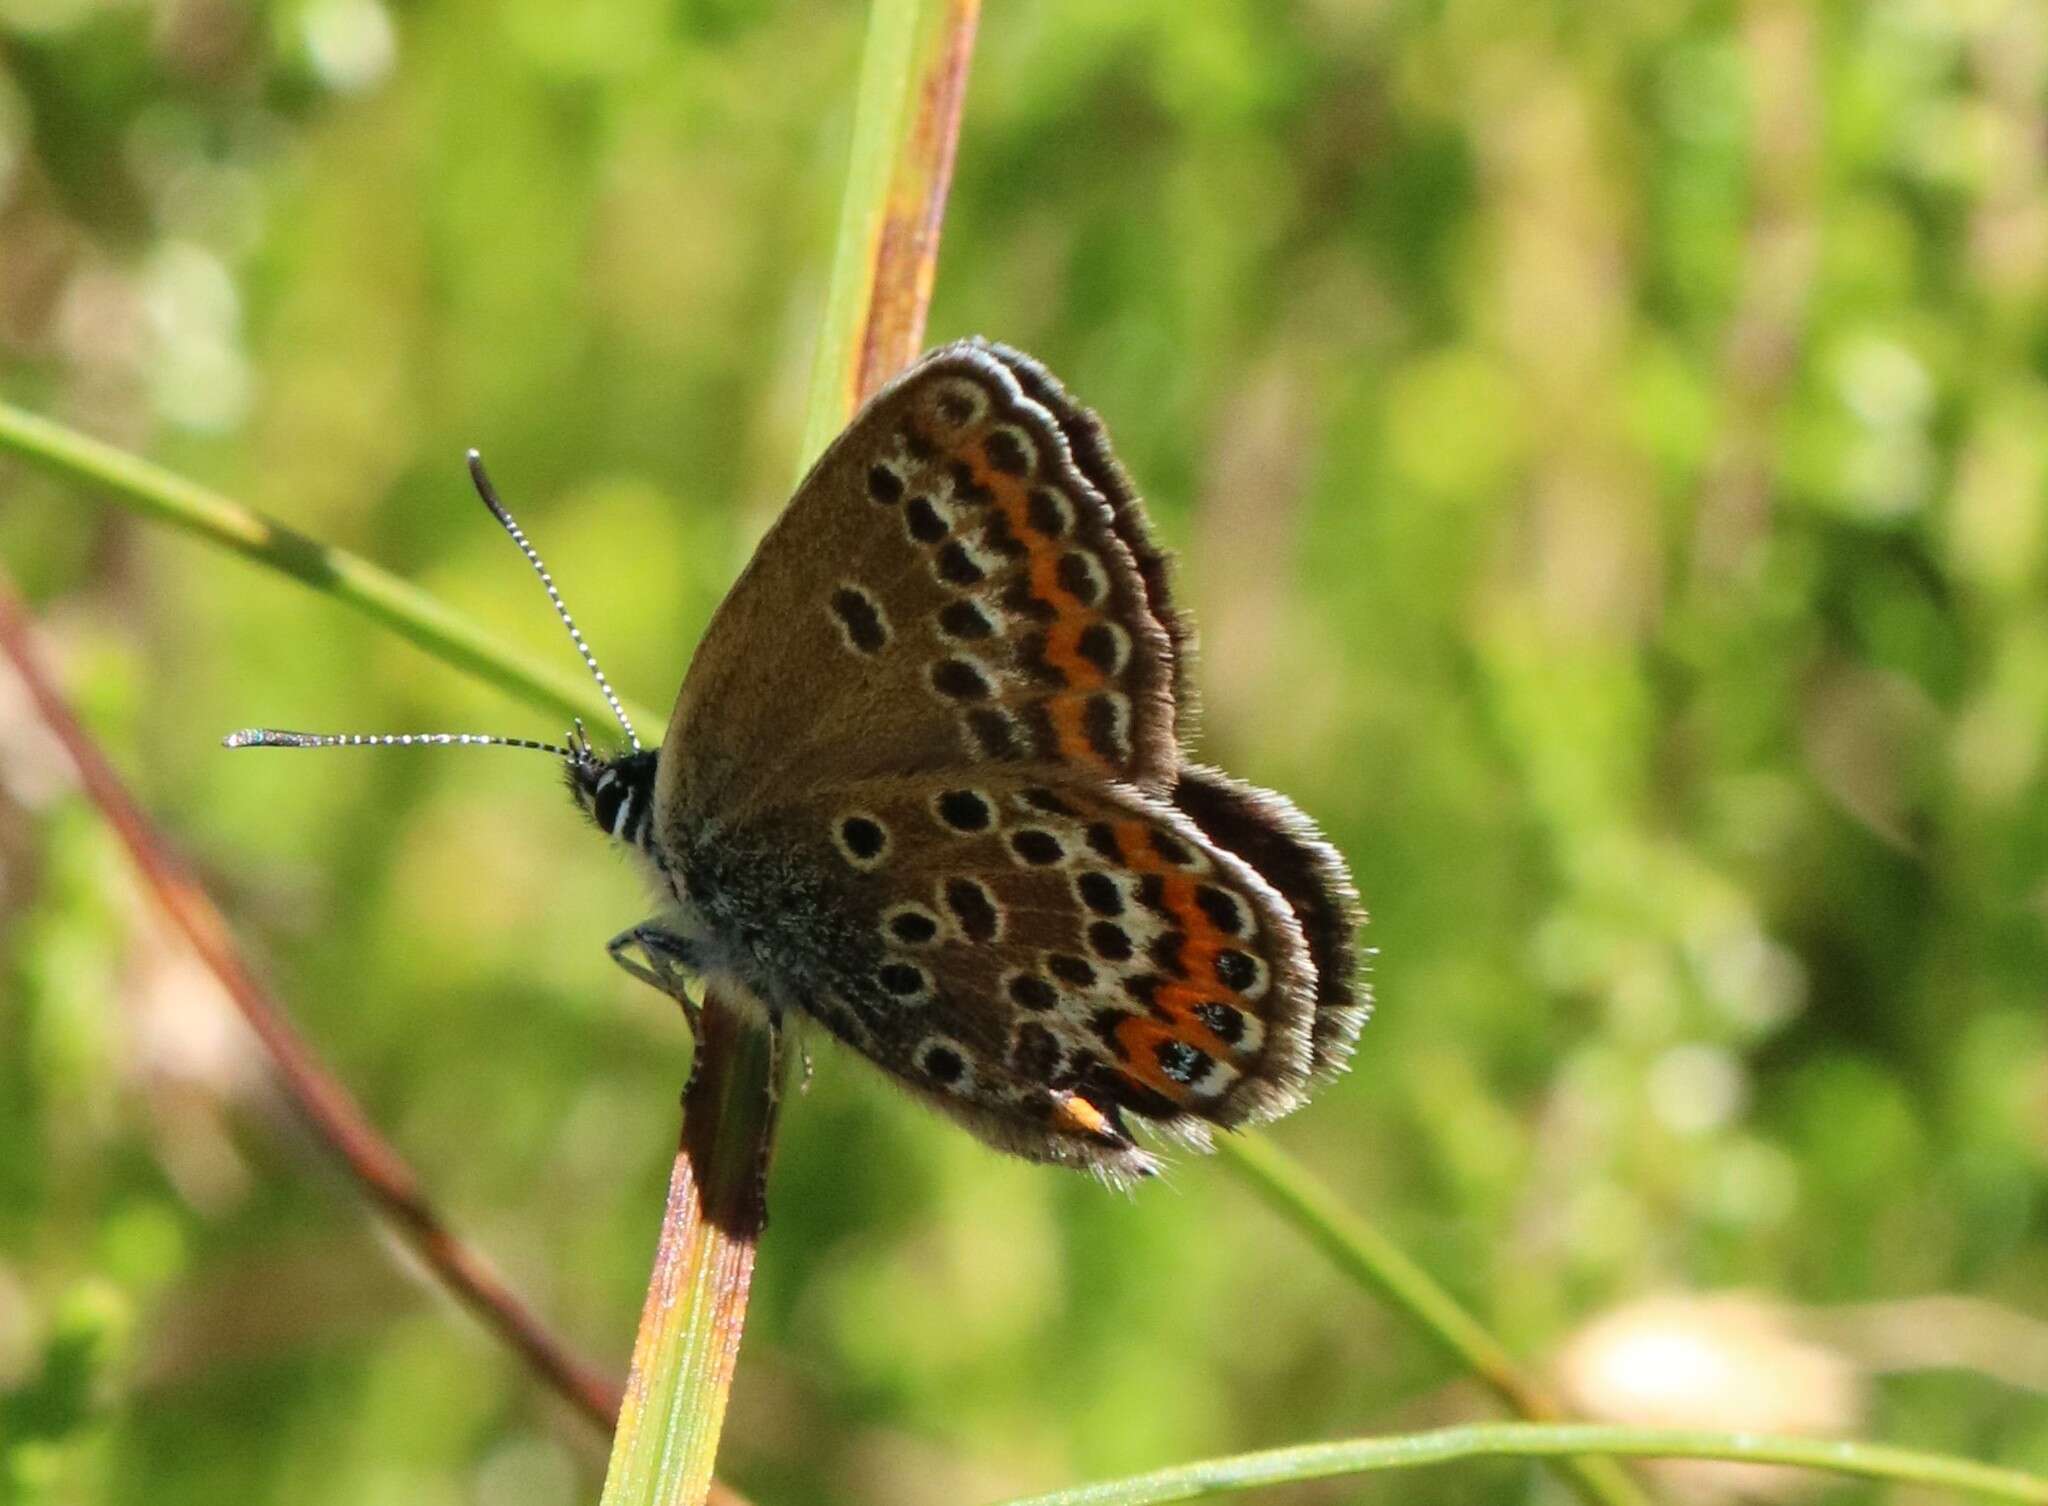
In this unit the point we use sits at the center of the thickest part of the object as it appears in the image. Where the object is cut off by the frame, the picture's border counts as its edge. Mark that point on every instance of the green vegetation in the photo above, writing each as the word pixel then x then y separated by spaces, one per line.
pixel 1603 447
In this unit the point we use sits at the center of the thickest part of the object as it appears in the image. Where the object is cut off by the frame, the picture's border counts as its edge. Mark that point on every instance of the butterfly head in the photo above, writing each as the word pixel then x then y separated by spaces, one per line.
pixel 616 793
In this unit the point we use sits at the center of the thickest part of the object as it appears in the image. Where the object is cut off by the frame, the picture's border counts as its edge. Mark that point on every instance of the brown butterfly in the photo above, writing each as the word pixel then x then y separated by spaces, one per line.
pixel 924 784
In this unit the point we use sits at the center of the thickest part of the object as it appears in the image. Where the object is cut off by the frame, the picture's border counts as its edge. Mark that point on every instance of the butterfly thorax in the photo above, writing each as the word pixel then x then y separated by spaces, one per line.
pixel 759 916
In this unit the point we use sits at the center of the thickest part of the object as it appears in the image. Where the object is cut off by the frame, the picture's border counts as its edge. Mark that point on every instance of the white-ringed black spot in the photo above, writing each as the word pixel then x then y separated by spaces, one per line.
pixel 1029 991
pixel 860 619
pixel 1049 512
pixel 1172 848
pixel 957 565
pixel 861 839
pixel 994 733
pixel 1236 970
pixel 1144 987
pixel 1104 645
pixel 964 810
pixel 1080 576
pixel 1009 451
pixel 1037 722
pixel 912 925
pixel 903 979
pixel 923 521
pixel 1040 799
pixel 960 402
pixel 1222 908
pixel 1182 1062
pixel 1152 892
pixel 942 1064
pixel 1099 892
pixel 1034 1051
pixel 964 620
pixel 1105 722
pixel 961 680
pixel 1031 658
pixel 1019 600
pixel 974 909
pixel 884 484
pixel 998 536
pixel 1077 971
pixel 1036 846
pixel 966 489
pixel 1223 1022
pixel 1110 941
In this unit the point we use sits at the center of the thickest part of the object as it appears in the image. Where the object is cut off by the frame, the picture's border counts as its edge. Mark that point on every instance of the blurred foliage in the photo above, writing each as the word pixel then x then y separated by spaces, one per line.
pixel 1605 448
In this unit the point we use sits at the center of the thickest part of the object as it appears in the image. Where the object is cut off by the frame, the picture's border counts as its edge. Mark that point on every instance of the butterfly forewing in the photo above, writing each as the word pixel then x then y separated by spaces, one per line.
pixel 1088 446
pixel 947 589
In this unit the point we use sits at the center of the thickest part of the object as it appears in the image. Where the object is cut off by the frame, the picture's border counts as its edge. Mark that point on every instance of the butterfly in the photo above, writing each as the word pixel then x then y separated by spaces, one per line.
pixel 925 786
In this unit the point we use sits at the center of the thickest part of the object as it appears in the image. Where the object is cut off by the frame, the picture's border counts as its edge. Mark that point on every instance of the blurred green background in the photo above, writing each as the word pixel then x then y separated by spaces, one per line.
pixel 1605 446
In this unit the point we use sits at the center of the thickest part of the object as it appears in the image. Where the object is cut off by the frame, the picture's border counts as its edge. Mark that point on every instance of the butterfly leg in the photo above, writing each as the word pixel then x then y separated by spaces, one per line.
pixel 668 963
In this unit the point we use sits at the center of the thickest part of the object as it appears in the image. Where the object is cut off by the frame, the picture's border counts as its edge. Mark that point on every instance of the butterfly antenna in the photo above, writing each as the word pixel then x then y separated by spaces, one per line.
pixel 489 493
pixel 271 737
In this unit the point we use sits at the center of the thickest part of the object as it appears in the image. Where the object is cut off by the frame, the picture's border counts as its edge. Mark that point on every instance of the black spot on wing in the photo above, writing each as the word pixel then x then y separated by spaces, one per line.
pixel 1006 453
pixel 973 908
pixel 961 680
pixel 964 620
pixel 884 485
pixel 923 521
pixel 964 810
pixel 861 619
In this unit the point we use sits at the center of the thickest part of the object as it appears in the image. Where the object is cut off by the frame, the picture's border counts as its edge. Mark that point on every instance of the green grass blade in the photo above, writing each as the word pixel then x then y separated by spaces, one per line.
pixel 905 121
pixel 1382 1267
pixel 160 495
pixel 688 1344
pixel 1524 1440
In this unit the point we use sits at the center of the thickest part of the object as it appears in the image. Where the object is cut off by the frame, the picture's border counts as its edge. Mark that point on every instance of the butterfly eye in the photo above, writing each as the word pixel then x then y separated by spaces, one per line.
pixel 610 805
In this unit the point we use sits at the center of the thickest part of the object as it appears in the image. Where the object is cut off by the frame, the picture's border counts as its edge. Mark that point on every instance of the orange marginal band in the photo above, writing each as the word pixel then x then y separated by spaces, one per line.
pixel 1072 617
pixel 1178 997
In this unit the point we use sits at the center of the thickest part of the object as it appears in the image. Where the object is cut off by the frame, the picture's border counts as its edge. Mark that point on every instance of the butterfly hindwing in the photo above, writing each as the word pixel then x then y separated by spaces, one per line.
pixel 1269 832
pixel 949 588
pixel 1043 955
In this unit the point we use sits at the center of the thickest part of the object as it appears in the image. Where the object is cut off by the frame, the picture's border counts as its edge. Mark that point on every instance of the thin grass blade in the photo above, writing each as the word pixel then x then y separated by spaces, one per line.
pixel 906 120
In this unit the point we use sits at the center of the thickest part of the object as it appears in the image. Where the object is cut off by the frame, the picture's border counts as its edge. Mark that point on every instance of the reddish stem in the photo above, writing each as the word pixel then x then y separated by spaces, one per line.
pixel 384 1177
pixel 907 247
